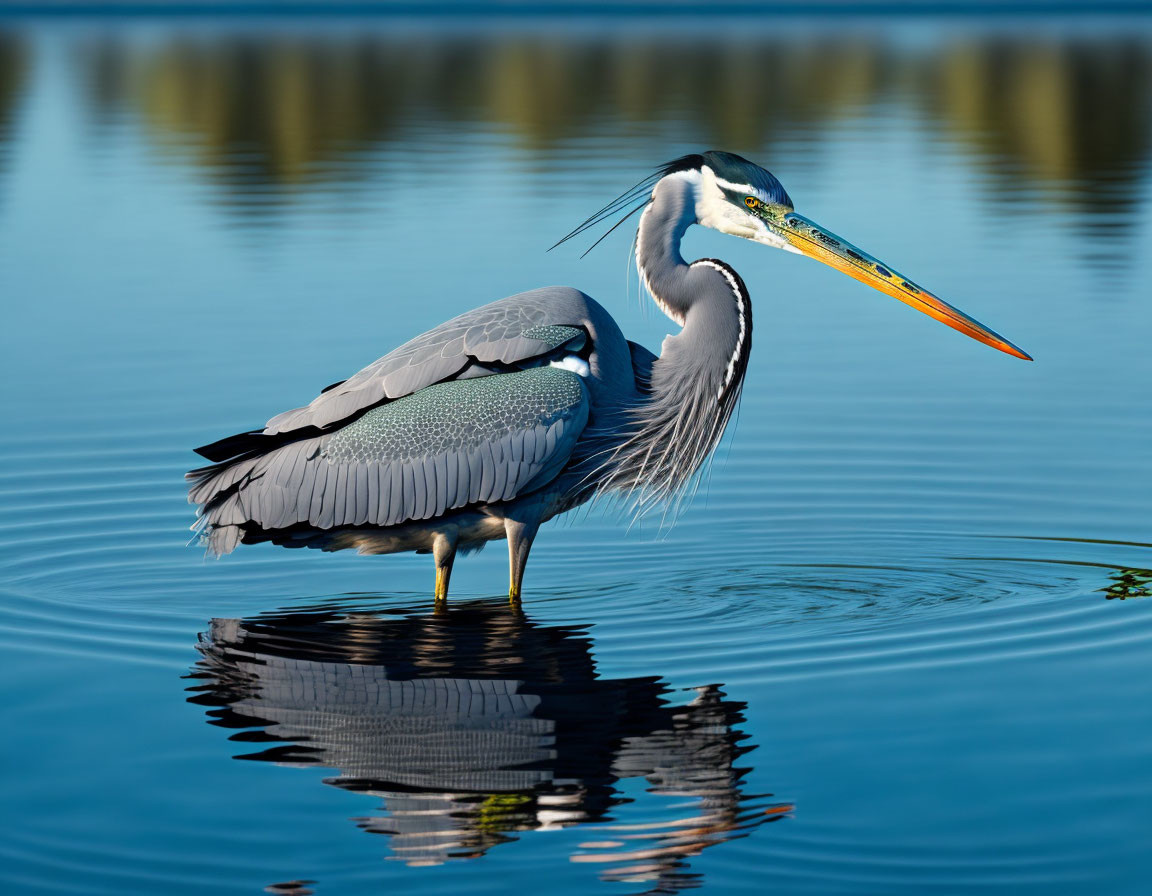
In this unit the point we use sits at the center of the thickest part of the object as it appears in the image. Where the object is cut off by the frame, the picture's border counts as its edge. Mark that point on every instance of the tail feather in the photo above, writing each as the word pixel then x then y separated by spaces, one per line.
pixel 214 488
pixel 253 442
pixel 210 483
pixel 223 520
pixel 231 446
pixel 220 540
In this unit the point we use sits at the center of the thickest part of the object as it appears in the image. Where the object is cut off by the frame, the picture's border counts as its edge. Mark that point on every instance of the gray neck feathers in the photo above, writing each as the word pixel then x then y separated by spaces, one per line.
pixel 667 217
pixel 695 383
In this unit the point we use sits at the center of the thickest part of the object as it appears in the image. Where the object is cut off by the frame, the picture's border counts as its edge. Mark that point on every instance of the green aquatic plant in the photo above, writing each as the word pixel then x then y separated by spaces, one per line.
pixel 1128 583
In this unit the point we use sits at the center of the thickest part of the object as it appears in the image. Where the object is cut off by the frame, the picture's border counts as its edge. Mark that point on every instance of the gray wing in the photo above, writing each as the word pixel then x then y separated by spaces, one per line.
pixel 450 445
pixel 506 332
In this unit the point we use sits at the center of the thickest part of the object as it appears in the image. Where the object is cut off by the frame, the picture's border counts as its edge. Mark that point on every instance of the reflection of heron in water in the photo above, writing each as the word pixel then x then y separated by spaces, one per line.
pixel 474 723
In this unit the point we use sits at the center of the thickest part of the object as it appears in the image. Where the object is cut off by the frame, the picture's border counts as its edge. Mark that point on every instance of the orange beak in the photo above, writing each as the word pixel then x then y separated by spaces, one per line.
pixel 812 240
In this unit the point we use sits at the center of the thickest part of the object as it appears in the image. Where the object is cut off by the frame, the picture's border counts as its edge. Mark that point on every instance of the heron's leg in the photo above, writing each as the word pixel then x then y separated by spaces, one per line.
pixel 444 553
pixel 520 535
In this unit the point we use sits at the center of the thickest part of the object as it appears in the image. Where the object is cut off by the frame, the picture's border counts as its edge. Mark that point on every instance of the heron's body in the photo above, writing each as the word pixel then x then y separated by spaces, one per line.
pixel 498 420
pixel 466 434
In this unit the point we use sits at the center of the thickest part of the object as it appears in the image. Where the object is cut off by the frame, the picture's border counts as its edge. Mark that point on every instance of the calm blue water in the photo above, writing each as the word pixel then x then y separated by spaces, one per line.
pixel 882 652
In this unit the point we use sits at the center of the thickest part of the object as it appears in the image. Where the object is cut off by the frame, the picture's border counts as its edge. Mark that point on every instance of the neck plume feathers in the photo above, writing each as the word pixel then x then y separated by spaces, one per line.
pixel 694 386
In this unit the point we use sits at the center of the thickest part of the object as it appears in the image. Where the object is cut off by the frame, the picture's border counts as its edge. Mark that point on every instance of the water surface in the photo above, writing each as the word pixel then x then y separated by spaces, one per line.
pixel 898 642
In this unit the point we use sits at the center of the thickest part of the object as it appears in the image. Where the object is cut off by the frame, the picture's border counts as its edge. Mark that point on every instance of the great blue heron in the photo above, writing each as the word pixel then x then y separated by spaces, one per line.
pixel 498 420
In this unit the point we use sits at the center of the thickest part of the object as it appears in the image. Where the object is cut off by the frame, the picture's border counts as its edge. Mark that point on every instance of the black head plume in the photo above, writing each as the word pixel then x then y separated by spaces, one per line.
pixel 631 201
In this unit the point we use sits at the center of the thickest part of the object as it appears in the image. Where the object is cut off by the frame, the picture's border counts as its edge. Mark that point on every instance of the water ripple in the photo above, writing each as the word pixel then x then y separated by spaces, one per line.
pixel 899 643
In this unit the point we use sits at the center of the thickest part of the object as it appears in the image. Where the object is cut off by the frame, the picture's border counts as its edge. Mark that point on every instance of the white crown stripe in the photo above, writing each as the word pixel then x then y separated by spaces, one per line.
pixel 746 189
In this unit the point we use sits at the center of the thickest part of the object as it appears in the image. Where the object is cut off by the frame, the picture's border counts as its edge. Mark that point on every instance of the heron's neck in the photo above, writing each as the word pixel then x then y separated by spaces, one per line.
pixel 706 298
pixel 695 383
pixel 663 224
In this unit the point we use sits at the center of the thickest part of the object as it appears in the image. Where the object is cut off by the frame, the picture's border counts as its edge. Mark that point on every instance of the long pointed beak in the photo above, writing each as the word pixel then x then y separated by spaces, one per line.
pixel 812 240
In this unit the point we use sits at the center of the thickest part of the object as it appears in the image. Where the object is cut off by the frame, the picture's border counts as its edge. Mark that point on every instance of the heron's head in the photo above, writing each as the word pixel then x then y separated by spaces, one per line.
pixel 738 197
pixel 733 195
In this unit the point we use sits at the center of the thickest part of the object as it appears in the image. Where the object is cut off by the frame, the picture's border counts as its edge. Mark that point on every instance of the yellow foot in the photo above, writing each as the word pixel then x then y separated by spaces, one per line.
pixel 514 596
pixel 441 585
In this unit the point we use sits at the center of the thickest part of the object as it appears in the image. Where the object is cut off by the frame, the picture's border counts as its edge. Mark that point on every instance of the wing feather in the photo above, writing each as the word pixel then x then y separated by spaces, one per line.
pixel 444 481
pixel 345 506
pixel 394 511
pixel 488 473
pixel 458 496
pixel 449 446
pixel 528 444
pixel 510 331
pixel 409 512
pixel 327 514
pixel 475 475
pixel 377 479
pixel 270 499
pixel 317 503
pixel 428 465
pixel 358 493
pixel 304 495
pixel 500 468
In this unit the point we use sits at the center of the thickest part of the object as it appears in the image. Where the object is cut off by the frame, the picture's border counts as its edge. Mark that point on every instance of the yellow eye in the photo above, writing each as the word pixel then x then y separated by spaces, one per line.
pixel 751 201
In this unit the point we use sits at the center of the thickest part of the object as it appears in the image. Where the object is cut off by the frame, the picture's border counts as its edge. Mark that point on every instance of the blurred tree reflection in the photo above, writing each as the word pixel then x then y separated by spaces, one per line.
pixel 249 109
pixel 288 105
pixel 13 64
pixel 1074 118
pixel 1069 118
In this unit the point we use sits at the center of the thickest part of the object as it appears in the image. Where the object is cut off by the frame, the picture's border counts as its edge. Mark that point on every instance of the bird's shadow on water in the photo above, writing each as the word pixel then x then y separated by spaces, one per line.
pixel 475 724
